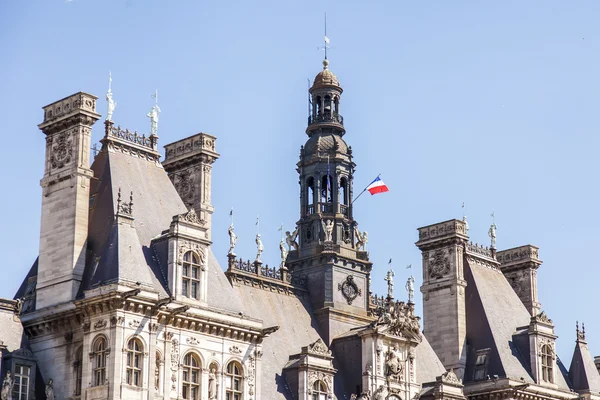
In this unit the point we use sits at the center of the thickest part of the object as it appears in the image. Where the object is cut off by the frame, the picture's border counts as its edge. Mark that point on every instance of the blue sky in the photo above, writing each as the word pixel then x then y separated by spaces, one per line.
pixel 490 103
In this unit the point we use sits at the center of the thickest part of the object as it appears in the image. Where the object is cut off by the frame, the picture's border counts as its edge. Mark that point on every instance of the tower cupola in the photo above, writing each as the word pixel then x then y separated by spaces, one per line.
pixel 325 96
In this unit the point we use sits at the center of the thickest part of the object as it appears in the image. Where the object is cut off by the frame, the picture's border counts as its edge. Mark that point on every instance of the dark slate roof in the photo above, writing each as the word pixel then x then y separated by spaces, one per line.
pixel 495 312
pixel 428 364
pixel 155 202
pixel 296 329
pixel 582 372
pixel 221 294
pixel 27 290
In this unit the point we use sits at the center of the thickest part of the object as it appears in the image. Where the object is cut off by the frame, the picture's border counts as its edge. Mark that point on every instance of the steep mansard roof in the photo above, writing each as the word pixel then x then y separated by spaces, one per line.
pixel 583 373
pixel 494 314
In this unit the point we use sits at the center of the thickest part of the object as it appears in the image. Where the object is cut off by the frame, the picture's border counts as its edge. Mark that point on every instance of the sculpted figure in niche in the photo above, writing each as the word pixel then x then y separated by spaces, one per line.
pixel 393 365
pixel 212 383
pixel 291 239
pixel 328 230
pixel 49 390
pixel 7 386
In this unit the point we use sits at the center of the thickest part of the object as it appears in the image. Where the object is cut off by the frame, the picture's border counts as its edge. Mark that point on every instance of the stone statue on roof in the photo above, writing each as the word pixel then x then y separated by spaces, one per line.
pixel 111 103
pixel 492 232
pixel 284 252
pixel 259 247
pixel 153 115
pixel 389 278
pixel 410 288
pixel 290 238
pixel 361 239
pixel 232 240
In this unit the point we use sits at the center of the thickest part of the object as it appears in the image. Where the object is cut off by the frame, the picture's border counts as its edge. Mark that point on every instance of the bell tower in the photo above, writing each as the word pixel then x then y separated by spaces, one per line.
pixel 330 252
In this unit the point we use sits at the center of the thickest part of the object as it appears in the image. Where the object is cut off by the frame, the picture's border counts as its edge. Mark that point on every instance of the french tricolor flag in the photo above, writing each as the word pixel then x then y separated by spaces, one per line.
pixel 377 186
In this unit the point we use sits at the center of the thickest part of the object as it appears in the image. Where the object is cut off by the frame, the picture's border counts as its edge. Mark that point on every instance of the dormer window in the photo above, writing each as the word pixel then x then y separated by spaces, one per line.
pixel 547 363
pixel 481 364
pixel 191 276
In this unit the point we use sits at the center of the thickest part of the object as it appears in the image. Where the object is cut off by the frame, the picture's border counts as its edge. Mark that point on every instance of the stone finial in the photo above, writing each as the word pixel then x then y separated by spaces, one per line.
pixel 580 332
pixel 124 208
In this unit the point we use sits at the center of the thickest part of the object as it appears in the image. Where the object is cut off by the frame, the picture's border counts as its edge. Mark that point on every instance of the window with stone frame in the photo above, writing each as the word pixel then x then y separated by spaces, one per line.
pixel 78 367
pixel 547 363
pixel 319 391
pixel 21 382
pixel 481 364
pixel 234 381
pixel 191 377
pixel 135 360
pixel 190 273
pixel 99 354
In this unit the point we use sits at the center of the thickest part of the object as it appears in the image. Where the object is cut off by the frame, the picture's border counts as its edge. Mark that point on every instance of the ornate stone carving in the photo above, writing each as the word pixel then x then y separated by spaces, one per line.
pixel 200 250
pixel 135 324
pixel 439 265
pixel 451 378
pixel 153 327
pixel 124 207
pixel 62 149
pixel 86 326
pixel 314 376
pixel 116 320
pixel 542 317
pixel 192 218
pixel 443 229
pixel 235 350
pixel 398 318
pixel 350 289
pixel 393 365
pixel 318 347
pixel 478 249
pixel 192 340
pixel 174 362
pixel 101 323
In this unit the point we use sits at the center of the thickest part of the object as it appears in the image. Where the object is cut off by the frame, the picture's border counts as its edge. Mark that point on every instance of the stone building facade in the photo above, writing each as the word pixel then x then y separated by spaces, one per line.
pixel 127 301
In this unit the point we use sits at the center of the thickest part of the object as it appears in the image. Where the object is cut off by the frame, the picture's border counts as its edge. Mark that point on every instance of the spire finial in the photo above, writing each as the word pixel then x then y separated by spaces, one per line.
pixel 326 46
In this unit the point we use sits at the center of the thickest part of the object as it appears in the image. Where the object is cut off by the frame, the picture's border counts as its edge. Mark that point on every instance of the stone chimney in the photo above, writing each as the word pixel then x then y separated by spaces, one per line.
pixel 189 165
pixel 66 194
pixel 444 315
pixel 519 265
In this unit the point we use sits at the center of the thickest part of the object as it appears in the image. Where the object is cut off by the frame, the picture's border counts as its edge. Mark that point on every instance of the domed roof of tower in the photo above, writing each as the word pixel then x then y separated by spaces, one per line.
pixel 325 77
pixel 325 143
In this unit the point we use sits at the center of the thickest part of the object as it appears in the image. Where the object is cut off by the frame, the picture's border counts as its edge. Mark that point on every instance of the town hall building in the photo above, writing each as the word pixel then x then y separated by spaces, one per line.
pixel 126 299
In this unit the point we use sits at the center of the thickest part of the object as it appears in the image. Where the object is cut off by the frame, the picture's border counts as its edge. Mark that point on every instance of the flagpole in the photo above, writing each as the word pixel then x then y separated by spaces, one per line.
pixel 364 190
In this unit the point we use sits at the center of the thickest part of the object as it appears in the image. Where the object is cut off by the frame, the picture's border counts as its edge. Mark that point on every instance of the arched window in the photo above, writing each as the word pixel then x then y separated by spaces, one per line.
pixel 99 350
pixel 336 103
pixel 319 105
pixel 234 381
pixel 344 191
pixel 319 391
pixel 326 191
pixel 78 367
pixel 547 370
pixel 135 353
pixel 191 275
pixel 310 195
pixel 191 377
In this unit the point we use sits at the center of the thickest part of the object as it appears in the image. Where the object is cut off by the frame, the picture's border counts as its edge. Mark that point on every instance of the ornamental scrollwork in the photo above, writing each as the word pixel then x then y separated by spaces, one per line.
pixel 439 265
pixel 349 289
pixel 200 250
pixel 62 150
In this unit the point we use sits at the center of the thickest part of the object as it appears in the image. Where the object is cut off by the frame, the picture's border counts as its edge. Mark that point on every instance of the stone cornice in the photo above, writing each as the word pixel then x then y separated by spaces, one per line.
pixel 174 316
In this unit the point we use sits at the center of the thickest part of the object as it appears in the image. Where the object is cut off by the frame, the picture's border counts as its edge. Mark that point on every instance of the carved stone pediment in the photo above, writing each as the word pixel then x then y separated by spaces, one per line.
pixel 319 347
